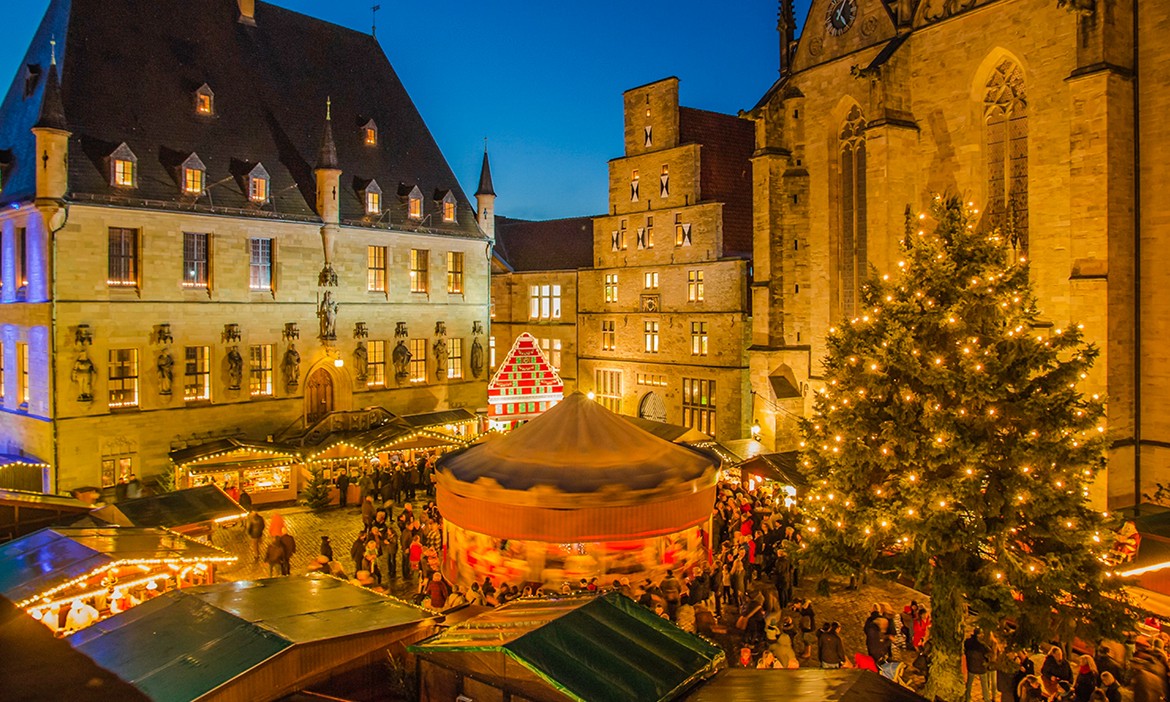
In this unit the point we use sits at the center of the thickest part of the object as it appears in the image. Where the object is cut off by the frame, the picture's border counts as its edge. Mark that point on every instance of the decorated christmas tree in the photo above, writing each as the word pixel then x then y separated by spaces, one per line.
pixel 316 493
pixel 952 440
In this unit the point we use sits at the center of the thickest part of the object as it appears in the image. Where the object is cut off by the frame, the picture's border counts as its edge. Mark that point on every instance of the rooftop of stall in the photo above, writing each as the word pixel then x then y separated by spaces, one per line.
pixel 803 685
pixel 180 510
pixel 263 638
pixel 564 649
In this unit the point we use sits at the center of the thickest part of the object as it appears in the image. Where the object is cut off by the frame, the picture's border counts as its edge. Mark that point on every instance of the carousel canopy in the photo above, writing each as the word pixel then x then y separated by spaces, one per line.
pixel 50 558
pixel 566 649
pixel 186 643
pixel 579 446
pixel 804 685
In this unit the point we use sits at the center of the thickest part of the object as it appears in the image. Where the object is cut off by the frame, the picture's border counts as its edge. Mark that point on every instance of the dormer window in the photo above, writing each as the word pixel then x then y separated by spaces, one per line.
pixel 414 203
pixel 194 175
pixel 370 133
pixel 447 199
pixel 204 100
pixel 123 167
pixel 258 184
pixel 373 198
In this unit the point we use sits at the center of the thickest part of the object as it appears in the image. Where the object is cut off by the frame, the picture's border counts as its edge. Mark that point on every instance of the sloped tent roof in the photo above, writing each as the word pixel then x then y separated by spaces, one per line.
pixel 50 558
pixel 780 467
pixel 187 643
pixel 602 649
pixel 39 666
pixel 668 432
pixel 804 685
pixel 578 472
pixel 221 447
pixel 172 510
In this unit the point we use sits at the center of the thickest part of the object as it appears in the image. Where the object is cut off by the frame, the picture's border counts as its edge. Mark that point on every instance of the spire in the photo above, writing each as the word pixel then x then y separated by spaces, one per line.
pixel 52 108
pixel 485 175
pixel 327 157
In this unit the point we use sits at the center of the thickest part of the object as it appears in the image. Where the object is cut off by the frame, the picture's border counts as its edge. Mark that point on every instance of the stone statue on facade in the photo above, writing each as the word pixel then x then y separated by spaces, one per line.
pixel 83 372
pixel 361 362
pixel 476 358
pixel 165 364
pixel 327 314
pixel 440 350
pixel 401 359
pixel 235 364
pixel 291 367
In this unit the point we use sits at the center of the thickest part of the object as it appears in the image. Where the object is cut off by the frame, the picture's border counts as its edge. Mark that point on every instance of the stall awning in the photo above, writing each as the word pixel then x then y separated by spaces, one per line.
pixel 186 643
pixel 780 467
pixel 567 648
pixel 668 432
pixel 225 449
pixel 803 685
pixel 173 510
pixel 49 559
pixel 439 419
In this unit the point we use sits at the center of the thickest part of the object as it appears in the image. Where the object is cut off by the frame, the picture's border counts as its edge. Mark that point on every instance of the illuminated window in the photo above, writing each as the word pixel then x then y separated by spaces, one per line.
pixel 195 260
pixel 419 276
pixel 414 207
pixel 544 301
pixel 123 378
pixel 260 265
pixel 448 211
pixel 123 258
pixel 698 338
pixel 492 351
pixel 552 351
pixel 370 133
pixel 650 335
pixel 651 280
pixel 258 189
pixel 694 286
pixel 376 268
pixel 618 238
pixel 20 261
pixel 608 335
pixel 193 181
pixel 204 100
pixel 22 392
pixel 455 272
pixel 418 360
pixel 123 167
pixel 608 384
pixel 634 185
pixel 197 374
pixel 698 405
pixel 852 259
pixel 611 287
pixel 116 469
pixel 376 368
pixel 664 182
pixel 260 377
pixel 373 202
pixel 682 232
pixel 454 358
pixel 1005 109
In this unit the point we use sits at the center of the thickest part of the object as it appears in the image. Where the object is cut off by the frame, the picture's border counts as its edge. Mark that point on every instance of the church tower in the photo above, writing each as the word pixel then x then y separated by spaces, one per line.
pixel 485 199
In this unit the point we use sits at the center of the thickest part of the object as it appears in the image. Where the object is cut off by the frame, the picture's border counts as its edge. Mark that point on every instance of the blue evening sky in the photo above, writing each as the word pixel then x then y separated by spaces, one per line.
pixel 542 80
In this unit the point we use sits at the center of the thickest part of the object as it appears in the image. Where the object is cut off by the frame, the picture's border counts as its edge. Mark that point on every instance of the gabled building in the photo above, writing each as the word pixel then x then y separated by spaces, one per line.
pixel 221 218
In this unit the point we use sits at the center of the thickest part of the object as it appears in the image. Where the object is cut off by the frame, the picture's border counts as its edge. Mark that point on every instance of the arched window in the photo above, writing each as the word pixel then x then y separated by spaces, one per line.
pixel 1005 110
pixel 853 259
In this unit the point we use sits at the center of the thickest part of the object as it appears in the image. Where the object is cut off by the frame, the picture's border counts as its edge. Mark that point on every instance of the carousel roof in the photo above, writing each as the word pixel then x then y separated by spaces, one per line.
pixel 578 446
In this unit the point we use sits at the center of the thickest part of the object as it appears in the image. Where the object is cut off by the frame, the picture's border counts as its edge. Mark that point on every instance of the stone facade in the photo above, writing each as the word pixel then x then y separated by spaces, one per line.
pixel 1018 106
pixel 518 307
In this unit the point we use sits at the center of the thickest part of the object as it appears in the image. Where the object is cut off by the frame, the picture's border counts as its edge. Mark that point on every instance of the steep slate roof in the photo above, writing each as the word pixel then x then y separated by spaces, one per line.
pixel 129 74
pixel 549 245
pixel 725 170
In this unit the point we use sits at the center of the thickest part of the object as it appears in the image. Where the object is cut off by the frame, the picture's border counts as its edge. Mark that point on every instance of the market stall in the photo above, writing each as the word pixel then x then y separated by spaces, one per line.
pixel 190 511
pixel 268 471
pixel 524 386
pixel 20 472
pixel 804 685
pixel 71 577
pixel 565 649
pixel 575 493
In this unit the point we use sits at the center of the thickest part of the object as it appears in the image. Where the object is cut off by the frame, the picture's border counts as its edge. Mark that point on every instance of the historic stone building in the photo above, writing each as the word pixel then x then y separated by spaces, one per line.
pixel 221 218
pixel 1030 109
pixel 662 314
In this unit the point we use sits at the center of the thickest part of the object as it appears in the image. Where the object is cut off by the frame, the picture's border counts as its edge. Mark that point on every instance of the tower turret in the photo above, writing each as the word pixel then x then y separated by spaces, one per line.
pixel 328 175
pixel 51 132
pixel 485 198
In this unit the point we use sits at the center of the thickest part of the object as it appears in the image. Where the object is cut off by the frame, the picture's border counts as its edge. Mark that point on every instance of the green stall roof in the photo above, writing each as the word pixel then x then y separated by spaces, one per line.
pixel 186 643
pixel 803 685
pixel 601 649
pixel 176 509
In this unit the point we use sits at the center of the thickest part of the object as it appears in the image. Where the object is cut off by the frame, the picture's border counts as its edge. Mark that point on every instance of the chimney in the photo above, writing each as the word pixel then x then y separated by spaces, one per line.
pixel 247 12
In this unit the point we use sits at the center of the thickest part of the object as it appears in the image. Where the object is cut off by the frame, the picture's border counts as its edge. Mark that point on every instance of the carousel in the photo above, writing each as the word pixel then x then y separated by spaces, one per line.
pixel 577 492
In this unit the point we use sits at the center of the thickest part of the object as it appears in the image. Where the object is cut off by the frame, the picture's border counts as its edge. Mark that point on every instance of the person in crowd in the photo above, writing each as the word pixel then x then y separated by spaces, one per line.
pixel 1031 689
pixel 368 510
pixel 343 488
pixel 830 648
pixel 370 560
pixel 671 592
pixel 921 627
pixel 438 591
pixel 1110 687
pixel 1024 668
pixel 326 548
pixel 976 654
pixel 254 528
pixel 1056 668
pixel 1086 680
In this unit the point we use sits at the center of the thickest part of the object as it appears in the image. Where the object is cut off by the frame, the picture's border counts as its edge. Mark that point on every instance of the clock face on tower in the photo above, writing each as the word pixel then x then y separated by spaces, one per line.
pixel 840 16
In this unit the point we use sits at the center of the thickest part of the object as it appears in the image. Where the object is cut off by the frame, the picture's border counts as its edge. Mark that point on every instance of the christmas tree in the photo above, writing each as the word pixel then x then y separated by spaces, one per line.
pixel 951 439
pixel 316 493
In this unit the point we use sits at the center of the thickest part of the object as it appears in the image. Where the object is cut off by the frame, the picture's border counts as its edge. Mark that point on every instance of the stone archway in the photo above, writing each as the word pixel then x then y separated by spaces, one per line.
pixel 319 395
pixel 652 407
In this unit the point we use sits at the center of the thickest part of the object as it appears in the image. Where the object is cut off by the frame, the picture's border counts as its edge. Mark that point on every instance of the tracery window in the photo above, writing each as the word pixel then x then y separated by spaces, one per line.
pixel 853 258
pixel 1005 110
